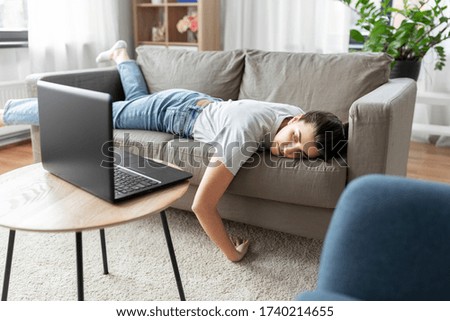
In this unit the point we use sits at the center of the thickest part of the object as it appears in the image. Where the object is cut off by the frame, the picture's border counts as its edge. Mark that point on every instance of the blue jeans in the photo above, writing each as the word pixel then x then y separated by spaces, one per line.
pixel 21 112
pixel 173 111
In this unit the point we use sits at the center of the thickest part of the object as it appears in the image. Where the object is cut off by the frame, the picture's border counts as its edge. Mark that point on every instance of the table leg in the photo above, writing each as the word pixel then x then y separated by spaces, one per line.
pixel 9 255
pixel 79 245
pixel 172 255
pixel 104 257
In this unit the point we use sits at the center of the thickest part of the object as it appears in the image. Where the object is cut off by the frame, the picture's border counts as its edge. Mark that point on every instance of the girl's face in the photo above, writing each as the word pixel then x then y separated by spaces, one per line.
pixel 295 140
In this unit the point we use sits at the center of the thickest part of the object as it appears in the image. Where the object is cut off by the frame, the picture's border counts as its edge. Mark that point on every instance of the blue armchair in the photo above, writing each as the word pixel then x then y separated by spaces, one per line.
pixel 389 239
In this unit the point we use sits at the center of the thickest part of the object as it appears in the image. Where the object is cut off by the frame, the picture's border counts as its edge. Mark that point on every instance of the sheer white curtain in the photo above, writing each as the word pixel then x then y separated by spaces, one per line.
pixel 434 81
pixel 286 25
pixel 68 34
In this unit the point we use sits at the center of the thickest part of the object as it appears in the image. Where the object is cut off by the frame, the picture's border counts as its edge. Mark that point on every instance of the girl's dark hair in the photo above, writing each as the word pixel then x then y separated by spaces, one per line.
pixel 330 133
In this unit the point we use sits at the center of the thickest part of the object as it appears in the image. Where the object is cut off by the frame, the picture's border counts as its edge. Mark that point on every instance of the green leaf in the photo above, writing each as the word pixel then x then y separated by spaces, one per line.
pixel 425 24
pixel 443 19
pixel 356 35
pixel 439 49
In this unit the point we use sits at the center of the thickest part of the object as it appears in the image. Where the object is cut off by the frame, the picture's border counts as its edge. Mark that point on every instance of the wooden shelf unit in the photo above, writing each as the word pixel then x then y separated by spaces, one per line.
pixel 148 15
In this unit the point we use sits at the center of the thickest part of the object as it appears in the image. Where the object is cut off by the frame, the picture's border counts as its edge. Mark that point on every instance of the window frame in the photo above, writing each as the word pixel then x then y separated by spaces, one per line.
pixel 13 38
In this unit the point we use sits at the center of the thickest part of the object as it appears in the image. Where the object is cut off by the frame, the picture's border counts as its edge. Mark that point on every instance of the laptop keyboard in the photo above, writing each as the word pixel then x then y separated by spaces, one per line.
pixel 126 182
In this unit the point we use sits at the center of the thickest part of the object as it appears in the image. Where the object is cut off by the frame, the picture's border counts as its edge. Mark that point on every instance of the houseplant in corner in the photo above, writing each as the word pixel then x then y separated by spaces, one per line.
pixel 423 26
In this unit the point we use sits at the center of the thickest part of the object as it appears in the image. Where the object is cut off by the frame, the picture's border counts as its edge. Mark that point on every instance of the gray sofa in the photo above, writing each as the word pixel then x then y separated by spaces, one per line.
pixel 293 196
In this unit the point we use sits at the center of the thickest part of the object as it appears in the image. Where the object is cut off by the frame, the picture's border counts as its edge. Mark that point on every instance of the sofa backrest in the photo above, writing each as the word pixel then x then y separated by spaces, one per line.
pixel 329 82
pixel 216 73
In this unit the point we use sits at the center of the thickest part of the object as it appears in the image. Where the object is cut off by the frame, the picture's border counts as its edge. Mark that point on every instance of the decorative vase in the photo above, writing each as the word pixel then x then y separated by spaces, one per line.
pixel 191 36
pixel 406 68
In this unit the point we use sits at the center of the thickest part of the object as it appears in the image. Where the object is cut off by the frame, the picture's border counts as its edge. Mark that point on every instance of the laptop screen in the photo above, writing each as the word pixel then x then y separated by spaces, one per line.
pixel 76 136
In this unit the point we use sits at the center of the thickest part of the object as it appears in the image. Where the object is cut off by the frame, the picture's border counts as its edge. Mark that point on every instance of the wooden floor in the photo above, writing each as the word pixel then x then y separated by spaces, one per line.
pixel 425 161
pixel 15 156
pixel 429 162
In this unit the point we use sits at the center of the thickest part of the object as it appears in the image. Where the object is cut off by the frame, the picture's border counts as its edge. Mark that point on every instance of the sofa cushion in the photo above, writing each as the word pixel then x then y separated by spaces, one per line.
pixel 302 182
pixel 296 181
pixel 142 142
pixel 329 82
pixel 216 73
pixel 190 155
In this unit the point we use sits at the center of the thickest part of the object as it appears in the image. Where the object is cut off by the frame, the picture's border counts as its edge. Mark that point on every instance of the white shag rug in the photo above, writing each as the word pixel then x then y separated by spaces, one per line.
pixel 277 267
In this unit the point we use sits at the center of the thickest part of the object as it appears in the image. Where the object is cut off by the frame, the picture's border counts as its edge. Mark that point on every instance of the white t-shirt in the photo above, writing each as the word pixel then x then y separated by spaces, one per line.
pixel 238 128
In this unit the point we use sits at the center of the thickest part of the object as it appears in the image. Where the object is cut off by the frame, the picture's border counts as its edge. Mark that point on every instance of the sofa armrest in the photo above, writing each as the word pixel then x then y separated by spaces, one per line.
pixel 105 80
pixel 380 129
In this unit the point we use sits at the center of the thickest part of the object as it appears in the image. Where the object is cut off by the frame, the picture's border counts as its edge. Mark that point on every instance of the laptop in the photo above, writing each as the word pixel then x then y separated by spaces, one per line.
pixel 76 130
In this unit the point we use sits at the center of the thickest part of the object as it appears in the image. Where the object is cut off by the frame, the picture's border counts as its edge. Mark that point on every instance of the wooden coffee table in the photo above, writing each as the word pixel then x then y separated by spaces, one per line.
pixel 32 199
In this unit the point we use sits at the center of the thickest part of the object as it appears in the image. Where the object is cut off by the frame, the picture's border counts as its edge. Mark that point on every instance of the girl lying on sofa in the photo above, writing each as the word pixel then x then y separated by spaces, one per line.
pixel 239 128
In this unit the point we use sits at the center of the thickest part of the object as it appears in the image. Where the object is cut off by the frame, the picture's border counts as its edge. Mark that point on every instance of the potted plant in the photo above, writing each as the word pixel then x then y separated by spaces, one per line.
pixel 423 26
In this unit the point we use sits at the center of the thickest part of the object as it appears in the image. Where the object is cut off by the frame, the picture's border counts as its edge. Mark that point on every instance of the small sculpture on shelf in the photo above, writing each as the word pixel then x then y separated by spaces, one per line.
pixel 158 33
pixel 189 23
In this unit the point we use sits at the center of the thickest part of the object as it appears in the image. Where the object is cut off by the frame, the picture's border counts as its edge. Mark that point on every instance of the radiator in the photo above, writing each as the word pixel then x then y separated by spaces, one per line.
pixel 12 90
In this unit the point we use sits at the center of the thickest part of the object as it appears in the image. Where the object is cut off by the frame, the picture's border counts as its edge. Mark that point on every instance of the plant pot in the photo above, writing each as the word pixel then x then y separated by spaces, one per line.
pixel 406 69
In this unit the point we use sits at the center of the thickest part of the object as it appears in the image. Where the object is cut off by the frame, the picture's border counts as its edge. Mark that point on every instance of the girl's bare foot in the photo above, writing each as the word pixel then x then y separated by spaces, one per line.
pixel 241 248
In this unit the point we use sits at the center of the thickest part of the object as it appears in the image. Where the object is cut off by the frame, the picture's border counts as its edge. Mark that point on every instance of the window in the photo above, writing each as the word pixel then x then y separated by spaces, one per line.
pixel 13 23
